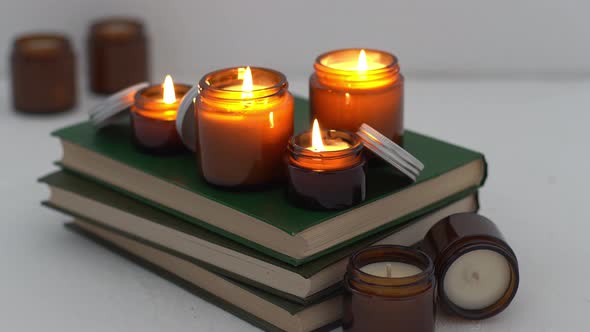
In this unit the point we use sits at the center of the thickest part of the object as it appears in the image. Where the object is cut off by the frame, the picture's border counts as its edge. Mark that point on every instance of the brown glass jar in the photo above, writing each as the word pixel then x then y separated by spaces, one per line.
pixel 404 300
pixel 477 271
pixel 154 122
pixel 43 73
pixel 352 86
pixel 244 119
pixel 117 54
pixel 326 180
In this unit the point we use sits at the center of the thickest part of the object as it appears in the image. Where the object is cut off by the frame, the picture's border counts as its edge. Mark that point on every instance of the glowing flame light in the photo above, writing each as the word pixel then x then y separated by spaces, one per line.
pixel 271 119
pixel 317 144
pixel 362 61
pixel 169 94
pixel 247 85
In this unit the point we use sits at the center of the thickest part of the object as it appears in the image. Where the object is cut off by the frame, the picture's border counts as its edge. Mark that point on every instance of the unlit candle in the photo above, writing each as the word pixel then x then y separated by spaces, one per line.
pixel 391 269
pixel 477 279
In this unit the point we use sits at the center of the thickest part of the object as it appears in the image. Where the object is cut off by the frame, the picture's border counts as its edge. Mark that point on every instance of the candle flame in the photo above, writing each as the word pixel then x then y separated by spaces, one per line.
pixel 317 143
pixel 362 61
pixel 247 84
pixel 169 94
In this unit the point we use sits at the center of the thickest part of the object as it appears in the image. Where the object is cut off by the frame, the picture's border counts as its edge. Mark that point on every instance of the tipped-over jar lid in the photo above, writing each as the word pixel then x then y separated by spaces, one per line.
pixel 476 270
pixel 389 151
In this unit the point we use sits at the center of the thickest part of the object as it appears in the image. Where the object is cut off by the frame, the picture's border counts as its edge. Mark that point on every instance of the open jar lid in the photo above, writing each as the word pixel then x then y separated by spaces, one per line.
pixel 476 270
pixel 389 151
pixel 109 110
pixel 185 120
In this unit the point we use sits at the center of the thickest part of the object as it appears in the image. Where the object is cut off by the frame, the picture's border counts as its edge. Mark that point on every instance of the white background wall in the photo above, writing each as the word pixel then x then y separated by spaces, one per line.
pixel 515 38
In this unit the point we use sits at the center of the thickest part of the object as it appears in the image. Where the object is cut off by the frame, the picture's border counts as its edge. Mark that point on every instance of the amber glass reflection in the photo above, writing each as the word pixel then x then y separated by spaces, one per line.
pixel 242 136
pixel 154 122
pixel 344 97
pixel 375 304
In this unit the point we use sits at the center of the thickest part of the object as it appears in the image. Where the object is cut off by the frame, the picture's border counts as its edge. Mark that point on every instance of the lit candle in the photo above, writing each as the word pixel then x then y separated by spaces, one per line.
pixel 244 120
pixel 389 287
pixel 326 169
pixel 476 269
pixel 331 144
pixel 355 86
pixel 153 117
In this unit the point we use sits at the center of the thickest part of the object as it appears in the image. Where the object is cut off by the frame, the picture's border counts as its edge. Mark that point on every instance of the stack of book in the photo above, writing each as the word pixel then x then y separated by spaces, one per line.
pixel 252 253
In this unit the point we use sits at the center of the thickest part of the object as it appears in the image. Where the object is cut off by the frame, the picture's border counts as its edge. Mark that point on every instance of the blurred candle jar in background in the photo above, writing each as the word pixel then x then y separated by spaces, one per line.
pixel 43 73
pixel 354 86
pixel 153 117
pixel 244 119
pixel 117 54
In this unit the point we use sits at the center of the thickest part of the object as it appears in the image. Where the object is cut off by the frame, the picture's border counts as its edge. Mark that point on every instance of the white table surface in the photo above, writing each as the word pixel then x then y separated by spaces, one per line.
pixel 535 136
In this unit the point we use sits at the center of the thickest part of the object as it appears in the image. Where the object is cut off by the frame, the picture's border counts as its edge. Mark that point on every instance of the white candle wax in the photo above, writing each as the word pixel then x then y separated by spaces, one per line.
pixel 477 279
pixel 391 269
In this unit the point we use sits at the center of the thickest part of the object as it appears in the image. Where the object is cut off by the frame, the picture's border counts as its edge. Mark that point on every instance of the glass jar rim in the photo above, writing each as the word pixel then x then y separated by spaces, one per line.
pixel 390 66
pixel 419 256
pixel 356 145
pixel 213 90
pixel 61 45
pixel 148 97
pixel 99 28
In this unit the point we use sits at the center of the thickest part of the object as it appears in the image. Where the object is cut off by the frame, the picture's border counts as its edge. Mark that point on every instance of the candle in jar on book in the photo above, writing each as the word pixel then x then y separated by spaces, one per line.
pixel 153 117
pixel 244 119
pixel 326 169
pixel 389 286
pixel 354 86
pixel 477 270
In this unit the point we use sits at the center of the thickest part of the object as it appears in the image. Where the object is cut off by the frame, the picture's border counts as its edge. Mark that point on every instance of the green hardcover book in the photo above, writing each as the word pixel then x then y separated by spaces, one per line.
pixel 261 309
pixel 101 206
pixel 265 220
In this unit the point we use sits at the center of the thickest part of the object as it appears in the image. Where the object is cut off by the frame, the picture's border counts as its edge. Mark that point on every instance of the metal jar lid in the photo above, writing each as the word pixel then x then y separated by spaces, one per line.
pixel 390 151
pixel 109 110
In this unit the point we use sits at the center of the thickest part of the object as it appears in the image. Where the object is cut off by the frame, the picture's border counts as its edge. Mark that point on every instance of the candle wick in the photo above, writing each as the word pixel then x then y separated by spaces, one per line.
pixel 388 268
pixel 475 275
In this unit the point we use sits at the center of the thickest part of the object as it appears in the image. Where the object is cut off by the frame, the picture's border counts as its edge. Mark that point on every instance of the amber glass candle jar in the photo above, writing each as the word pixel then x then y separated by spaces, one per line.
pixel 153 118
pixel 389 288
pixel 43 74
pixel 353 86
pixel 477 270
pixel 244 119
pixel 330 177
pixel 117 54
